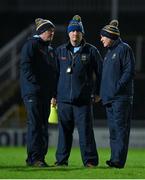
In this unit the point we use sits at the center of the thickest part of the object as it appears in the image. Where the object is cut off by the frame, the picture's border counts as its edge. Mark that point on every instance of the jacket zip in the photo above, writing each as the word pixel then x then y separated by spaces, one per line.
pixel 72 64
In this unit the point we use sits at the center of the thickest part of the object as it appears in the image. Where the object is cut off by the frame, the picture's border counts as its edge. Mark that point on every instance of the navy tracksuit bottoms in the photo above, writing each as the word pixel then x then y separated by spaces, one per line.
pixel 38 109
pixel 79 115
pixel 119 116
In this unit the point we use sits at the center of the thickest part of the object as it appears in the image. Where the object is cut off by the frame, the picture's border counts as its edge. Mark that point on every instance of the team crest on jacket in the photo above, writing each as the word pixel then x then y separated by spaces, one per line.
pixel 84 58
pixel 114 56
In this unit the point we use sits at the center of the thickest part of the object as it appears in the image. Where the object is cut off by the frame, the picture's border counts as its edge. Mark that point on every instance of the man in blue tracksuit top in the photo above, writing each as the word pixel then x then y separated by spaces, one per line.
pixel 77 60
pixel 117 91
pixel 37 80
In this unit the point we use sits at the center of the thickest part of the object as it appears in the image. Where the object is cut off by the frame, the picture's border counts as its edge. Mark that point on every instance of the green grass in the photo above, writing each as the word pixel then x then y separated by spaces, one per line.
pixel 12 166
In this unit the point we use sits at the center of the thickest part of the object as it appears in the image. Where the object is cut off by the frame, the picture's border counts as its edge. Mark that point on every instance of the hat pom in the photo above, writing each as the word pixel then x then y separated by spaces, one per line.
pixel 114 23
pixel 77 18
pixel 38 21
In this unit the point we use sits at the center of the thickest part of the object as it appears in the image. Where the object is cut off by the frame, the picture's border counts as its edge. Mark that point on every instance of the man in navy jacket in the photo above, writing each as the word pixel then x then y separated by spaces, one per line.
pixel 117 91
pixel 76 61
pixel 37 80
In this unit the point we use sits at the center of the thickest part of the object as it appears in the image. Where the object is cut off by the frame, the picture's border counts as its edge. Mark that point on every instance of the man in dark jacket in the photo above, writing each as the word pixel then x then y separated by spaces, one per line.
pixel 37 80
pixel 117 91
pixel 77 60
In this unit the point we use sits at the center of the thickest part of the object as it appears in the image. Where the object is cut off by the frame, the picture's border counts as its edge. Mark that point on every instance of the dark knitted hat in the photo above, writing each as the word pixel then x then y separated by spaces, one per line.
pixel 111 30
pixel 75 25
pixel 43 25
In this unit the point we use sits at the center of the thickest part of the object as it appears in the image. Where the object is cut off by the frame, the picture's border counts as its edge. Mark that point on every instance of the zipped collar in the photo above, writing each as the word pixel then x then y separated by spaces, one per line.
pixel 46 43
pixel 115 43
pixel 82 44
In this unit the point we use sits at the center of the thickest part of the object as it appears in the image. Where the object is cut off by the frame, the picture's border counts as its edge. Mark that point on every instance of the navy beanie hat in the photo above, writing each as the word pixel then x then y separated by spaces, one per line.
pixel 111 30
pixel 43 25
pixel 75 25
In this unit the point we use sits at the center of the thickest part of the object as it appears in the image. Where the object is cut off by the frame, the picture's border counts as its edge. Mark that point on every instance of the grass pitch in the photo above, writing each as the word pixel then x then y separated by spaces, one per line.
pixel 12 166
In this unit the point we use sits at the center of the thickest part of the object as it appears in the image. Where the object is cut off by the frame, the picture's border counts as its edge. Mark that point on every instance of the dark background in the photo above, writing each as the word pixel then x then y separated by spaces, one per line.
pixel 16 15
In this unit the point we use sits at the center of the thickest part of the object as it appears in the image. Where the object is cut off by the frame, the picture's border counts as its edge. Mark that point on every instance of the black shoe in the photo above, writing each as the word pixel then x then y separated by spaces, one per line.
pixel 114 164
pixel 109 163
pixel 37 164
pixel 61 164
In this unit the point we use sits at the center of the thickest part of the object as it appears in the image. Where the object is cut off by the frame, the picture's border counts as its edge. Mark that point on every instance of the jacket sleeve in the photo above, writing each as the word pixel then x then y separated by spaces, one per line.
pixel 97 68
pixel 27 61
pixel 128 69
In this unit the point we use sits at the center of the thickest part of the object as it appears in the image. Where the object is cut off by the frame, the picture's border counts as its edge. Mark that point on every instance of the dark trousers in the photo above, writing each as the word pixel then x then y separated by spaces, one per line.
pixel 119 116
pixel 38 110
pixel 69 115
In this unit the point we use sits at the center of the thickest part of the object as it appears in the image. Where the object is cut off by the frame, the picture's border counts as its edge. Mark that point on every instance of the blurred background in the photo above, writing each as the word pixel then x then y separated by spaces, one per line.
pixel 17 18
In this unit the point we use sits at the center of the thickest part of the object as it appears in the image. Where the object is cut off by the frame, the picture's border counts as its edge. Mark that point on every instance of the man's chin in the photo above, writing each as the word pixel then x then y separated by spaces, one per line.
pixel 50 39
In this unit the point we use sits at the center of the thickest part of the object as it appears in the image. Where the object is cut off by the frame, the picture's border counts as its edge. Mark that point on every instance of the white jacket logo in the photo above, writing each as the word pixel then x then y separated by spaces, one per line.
pixel 114 56
pixel 84 57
